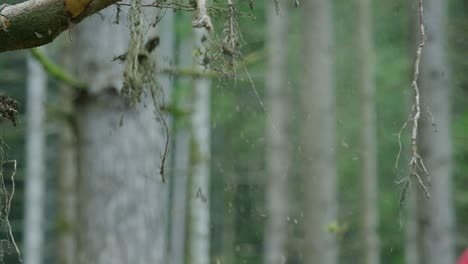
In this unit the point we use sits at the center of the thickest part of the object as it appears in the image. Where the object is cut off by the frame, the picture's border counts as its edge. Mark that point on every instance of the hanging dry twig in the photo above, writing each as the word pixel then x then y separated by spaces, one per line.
pixel 7 203
pixel 202 19
pixel 416 163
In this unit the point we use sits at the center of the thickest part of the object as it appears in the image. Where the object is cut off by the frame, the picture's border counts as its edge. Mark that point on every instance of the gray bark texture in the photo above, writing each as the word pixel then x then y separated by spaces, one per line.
pixel 437 214
pixel 199 246
pixel 278 151
pixel 319 146
pixel 35 161
pixel 369 176
pixel 122 206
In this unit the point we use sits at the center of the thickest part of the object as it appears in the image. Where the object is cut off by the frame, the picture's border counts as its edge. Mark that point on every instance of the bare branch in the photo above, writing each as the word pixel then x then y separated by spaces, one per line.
pixel 416 163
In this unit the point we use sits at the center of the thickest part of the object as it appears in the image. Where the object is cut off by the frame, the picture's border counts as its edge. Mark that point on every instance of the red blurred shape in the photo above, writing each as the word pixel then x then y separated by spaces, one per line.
pixel 463 258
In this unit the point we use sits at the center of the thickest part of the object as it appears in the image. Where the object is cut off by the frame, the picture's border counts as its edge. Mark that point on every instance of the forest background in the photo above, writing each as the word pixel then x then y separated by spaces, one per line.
pixel 239 175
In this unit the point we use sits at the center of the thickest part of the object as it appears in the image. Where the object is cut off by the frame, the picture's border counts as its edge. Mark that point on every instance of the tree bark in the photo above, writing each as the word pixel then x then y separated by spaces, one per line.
pixel 319 134
pixel 278 152
pixel 437 218
pixel 37 22
pixel 123 203
pixel 35 160
pixel 369 176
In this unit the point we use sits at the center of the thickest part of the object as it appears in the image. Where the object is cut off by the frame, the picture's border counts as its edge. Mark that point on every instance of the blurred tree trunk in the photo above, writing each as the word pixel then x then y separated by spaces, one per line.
pixel 229 218
pixel 199 246
pixel 67 175
pixel 437 214
pixel 35 161
pixel 122 206
pixel 278 150
pixel 165 55
pixel 319 134
pixel 369 176
pixel 181 156
pixel 411 227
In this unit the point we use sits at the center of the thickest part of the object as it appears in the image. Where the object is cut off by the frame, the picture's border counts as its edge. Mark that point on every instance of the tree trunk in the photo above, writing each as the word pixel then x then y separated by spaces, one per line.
pixel 199 247
pixel 278 152
pixel 122 202
pixel 165 54
pixel 435 142
pixel 319 134
pixel 411 227
pixel 181 156
pixel 318 102
pixel 369 178
pixel 35 160
pixel 67 177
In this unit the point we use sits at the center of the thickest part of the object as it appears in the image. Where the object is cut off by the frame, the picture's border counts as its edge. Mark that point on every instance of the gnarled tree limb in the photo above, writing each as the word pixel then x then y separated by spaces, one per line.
pixel 37 22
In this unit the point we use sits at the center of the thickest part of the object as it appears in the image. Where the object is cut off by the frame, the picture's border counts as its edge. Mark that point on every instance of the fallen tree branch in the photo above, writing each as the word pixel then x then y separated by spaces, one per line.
pixel 37 22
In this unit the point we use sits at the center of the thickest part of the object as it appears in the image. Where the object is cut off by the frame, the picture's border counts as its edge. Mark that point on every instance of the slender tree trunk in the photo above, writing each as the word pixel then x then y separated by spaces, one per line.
pixel 179 197
pixel 66 198
pixel 411 227
pixel 435 142
pixel 165 59
pixel 319 133
pixel 199 248
pixel 35 160
pixel 67 192
pixel 122 202
pixel 229 218
pixel 181 158
pixel 369 180
pixel 278 150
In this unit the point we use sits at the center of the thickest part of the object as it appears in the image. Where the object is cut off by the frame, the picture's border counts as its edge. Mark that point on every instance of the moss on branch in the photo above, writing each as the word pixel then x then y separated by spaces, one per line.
pixel 56 71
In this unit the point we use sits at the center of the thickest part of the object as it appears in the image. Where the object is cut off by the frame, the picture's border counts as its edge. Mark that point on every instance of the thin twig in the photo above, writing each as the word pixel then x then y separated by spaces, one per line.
pixel 399 141
pixel 160 116
pixel 254 88
pixel 8 207
pixel 416 163
pixel 434 125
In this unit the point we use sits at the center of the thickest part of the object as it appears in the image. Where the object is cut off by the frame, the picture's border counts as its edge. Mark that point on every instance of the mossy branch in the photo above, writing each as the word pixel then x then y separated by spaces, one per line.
pixel 190 72
pixel 250 59
pixel 56 71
